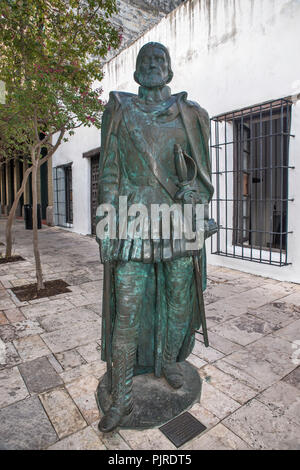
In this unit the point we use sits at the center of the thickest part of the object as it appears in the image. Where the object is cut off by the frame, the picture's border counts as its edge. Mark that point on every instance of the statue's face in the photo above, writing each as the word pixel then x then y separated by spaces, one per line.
pixel 153 70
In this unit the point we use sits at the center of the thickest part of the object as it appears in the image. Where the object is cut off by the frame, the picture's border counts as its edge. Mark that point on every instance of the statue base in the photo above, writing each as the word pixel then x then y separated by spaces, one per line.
pixel 155 401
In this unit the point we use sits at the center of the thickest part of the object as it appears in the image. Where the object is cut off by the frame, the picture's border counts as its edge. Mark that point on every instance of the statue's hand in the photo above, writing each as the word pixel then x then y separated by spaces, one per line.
pixel 188 195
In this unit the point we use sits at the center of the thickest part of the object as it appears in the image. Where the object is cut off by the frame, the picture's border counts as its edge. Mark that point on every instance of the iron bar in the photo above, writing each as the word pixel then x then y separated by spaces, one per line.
pixel 254 138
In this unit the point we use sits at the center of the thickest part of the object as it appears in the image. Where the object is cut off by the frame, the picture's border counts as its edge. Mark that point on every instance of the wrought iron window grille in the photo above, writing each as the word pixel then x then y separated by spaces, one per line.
pixel 250 170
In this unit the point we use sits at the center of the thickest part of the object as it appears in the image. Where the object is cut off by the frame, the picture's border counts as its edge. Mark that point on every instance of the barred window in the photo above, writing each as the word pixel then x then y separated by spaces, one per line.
pixel 63 204
pixel 250 160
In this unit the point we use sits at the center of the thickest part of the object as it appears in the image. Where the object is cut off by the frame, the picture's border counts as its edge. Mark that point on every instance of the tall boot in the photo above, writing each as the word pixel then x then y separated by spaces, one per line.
pixel 122 400
pixel 171 368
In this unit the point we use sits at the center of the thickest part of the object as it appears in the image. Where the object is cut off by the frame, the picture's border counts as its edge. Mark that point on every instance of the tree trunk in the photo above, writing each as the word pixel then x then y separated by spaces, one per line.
pixel 38 265
pixel 12 212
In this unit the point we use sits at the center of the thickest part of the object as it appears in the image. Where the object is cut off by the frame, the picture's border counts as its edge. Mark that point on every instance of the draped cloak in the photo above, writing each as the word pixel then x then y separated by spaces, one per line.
pixel 113 182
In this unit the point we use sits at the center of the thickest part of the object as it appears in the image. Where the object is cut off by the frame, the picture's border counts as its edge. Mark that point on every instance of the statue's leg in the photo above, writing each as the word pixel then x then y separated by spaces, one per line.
pixel 179 277
pixel 130 283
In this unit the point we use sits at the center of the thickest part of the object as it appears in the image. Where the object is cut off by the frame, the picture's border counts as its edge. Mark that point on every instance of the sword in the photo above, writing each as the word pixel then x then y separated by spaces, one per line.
pixel 198 273
pixel 181 169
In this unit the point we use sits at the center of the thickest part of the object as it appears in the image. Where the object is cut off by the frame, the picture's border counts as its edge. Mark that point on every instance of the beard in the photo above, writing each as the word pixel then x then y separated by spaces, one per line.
pixel 151 80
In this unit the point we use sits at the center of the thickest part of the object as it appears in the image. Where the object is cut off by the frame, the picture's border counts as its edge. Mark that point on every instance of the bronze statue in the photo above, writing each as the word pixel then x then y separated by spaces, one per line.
pixel 154 150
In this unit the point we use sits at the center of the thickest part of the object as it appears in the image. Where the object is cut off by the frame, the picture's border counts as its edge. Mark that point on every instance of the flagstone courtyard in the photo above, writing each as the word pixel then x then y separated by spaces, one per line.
pixel 50 356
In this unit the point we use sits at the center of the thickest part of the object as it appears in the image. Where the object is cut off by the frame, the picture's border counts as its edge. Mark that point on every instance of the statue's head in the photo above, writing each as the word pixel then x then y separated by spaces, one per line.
pixel 153 66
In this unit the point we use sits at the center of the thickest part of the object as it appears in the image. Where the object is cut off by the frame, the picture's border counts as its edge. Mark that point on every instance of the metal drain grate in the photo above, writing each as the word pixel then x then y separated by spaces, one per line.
pixel 182 429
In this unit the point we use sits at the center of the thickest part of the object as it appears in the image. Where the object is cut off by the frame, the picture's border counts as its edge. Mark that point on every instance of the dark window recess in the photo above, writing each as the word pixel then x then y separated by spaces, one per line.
pixel 69 200
pixel 250 162
pixel 63 204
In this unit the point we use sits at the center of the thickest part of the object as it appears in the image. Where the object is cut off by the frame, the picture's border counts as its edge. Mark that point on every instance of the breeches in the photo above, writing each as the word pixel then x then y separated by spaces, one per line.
pixel 131 283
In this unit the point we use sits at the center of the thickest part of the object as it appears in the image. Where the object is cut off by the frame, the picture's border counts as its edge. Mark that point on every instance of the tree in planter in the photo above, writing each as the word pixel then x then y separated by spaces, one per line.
pixel 50 59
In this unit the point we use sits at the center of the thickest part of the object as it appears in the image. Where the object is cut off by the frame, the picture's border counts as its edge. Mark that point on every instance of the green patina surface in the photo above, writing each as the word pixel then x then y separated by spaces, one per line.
pixel 151 290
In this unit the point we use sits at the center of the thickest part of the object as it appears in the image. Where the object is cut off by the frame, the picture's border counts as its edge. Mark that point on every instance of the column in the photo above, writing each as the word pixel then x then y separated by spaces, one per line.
pixel 50 210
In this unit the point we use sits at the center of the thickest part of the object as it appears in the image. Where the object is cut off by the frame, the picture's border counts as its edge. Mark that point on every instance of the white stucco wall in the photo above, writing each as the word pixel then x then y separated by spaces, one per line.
pixel 226 54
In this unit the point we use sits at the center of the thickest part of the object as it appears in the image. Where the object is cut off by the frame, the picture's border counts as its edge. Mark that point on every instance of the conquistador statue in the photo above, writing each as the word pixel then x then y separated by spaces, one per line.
pixel 154 150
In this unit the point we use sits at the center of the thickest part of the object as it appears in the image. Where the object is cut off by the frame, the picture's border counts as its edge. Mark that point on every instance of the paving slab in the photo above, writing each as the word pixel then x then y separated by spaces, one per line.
pixel 31 347
pixel 227 384
pixel 63 413
pixel 284 401
pixel 293 299
pixel 262 428
pixel 219 343
pixel 95 307
pixel 6 303
pixel 218 438
pixel 3 319
pixel 79 300
pixel 278 313
pixel 203 415
pixel 207 354
pixel 7 333
pixel 45 308
pixel 55 364
pixel 242 376
pixel 39 375
pixel 70 359
pixel 14 315
pixel 74 317
pixel 12 387
pixel 25 426
pixel 268 359
pixel 26 328
pixel 149 439
pixel 290 333
pixel 235 305
pixel 86 439
pixel 293 378
pixel 82 392
pixel 69 338
pixel 8 356
pixel 94 286
pixel 97 369
pixel 217 402
pixel 111 440
pixel 244 329
pixel 90 352
pixel 196 361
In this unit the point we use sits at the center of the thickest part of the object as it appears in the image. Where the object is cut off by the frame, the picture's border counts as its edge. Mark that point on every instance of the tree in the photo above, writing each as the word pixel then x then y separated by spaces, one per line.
pixel 11 148
pixel 50 60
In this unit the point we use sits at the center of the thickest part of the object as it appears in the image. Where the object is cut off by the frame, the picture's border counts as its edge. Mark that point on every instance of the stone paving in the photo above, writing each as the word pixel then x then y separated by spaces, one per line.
pixel 50 357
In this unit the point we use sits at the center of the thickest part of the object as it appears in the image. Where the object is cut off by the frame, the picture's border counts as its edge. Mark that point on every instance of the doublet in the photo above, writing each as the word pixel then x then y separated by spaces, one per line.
pixel 138 129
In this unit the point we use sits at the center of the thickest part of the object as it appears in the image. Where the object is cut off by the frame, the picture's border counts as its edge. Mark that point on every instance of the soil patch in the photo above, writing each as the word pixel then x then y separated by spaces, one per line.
pixel 29 292
pixel 11 259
